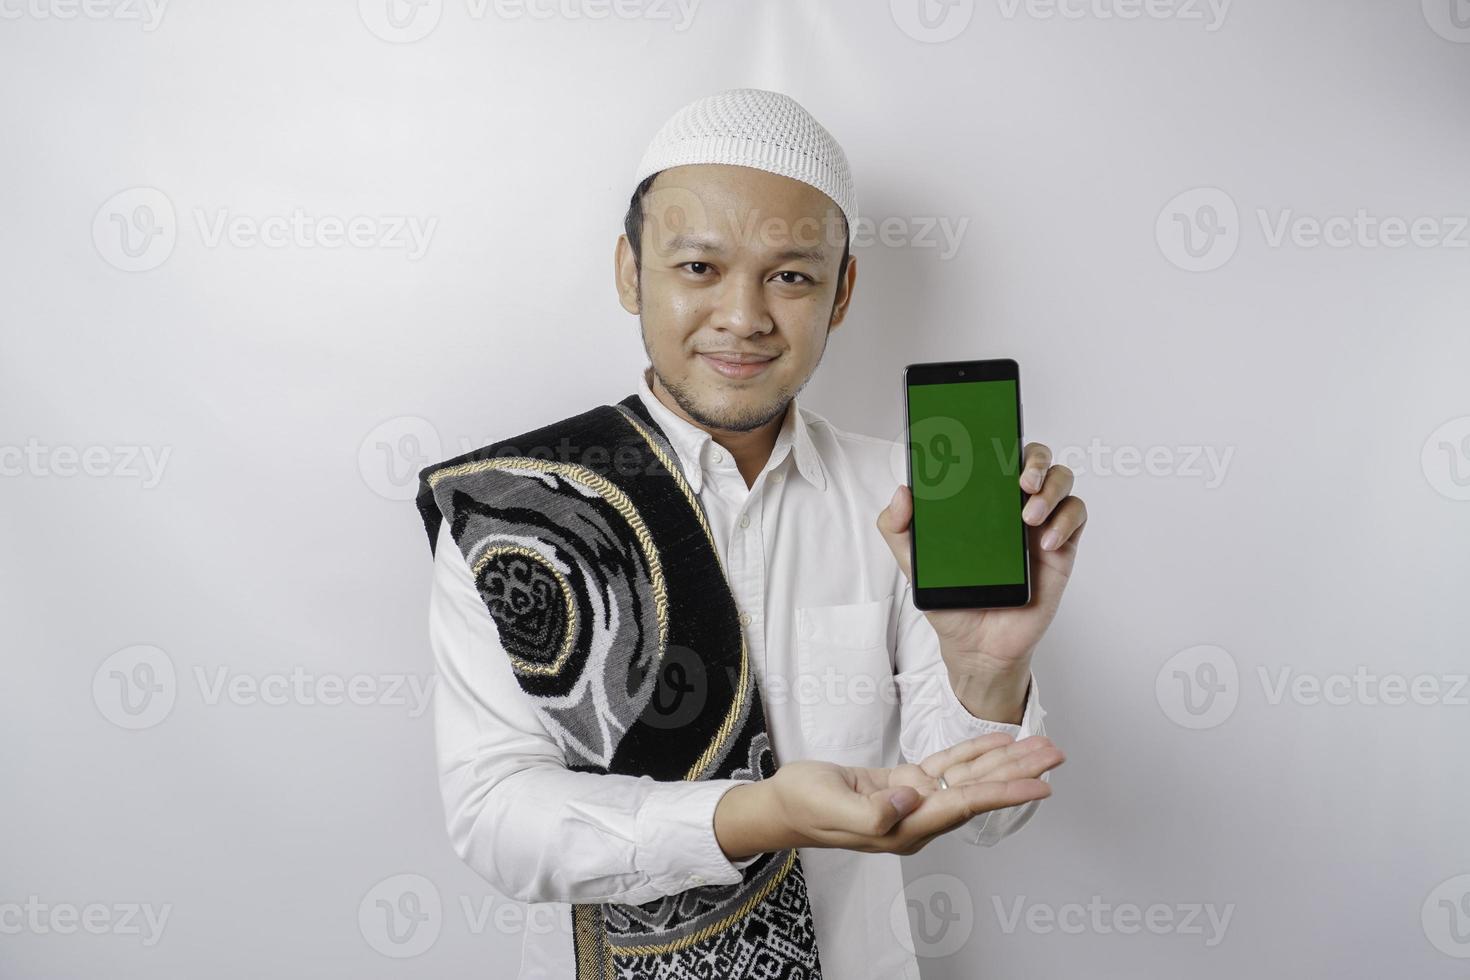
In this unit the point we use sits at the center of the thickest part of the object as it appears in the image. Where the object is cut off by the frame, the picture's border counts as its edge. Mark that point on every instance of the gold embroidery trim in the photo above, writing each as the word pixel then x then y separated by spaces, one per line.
pixel 609 492
pixel 519 663
pixel 713 928
pixel 702 764
pixel 588 928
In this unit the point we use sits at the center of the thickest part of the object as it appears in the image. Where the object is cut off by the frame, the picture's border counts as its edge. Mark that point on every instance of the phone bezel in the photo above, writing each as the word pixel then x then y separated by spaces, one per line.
pixel 965 596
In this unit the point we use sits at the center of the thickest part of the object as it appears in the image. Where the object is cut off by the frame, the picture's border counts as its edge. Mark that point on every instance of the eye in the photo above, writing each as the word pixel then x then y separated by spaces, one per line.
pixel 801 275
pixel 703 267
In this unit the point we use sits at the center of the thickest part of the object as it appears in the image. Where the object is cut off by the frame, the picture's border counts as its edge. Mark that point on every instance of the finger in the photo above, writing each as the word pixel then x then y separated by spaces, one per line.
pixel 1029 765
pixel 986 796
pixel 1059 481
pixel 945 809
pixel 888 806
pixel 1065 524
pixel 1035 461
pixel 937 763
pixel 871 814
pixel 893 524
pixel 982 766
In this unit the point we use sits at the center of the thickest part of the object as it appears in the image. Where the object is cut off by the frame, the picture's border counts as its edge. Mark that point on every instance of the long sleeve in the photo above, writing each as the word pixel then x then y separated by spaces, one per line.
pixel 932 716
pixel 537 831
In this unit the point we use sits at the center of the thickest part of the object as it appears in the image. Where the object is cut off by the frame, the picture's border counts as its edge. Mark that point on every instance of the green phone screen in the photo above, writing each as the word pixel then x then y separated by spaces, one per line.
pixel 965 458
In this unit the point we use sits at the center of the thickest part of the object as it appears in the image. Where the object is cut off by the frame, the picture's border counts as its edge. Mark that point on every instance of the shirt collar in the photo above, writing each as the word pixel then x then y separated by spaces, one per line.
pixel 693 443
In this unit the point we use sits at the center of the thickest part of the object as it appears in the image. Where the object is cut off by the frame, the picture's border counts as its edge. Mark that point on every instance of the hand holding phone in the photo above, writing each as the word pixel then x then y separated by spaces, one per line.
pixel 990 582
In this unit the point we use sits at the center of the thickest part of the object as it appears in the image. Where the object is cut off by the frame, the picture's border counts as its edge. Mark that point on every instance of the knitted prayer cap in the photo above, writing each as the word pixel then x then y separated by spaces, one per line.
pixel 751 127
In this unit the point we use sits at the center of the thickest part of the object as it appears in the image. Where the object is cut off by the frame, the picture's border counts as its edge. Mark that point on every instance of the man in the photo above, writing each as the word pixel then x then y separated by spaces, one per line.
pixel 737 290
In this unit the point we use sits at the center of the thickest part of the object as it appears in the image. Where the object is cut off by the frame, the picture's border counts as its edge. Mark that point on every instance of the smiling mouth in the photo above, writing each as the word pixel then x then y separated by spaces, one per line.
pixel 733 365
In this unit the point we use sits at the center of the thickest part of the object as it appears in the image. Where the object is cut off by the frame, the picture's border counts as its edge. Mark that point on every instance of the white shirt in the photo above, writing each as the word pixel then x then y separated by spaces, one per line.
pixel 848 669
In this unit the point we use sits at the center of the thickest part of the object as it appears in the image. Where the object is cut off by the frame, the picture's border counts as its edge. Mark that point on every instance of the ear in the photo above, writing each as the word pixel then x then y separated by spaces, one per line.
pixel 625 275
pixel 844 294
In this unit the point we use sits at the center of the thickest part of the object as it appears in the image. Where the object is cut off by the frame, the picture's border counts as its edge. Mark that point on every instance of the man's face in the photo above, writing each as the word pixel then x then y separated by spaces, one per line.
pixel 735 261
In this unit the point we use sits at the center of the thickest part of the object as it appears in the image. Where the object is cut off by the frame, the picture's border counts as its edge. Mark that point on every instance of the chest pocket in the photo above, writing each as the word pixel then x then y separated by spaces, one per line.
pixel 845 684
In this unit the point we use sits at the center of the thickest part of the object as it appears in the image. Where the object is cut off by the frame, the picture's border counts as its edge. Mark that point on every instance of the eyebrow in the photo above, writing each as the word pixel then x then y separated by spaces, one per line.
pixel 815 254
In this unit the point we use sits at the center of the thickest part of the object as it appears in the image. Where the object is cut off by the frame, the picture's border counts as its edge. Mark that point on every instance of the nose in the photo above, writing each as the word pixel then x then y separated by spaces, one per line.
pixel 741 307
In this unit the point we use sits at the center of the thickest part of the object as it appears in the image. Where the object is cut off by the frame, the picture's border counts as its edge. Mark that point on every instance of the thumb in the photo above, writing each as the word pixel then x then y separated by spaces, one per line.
pixel 895 804
pixel 893 524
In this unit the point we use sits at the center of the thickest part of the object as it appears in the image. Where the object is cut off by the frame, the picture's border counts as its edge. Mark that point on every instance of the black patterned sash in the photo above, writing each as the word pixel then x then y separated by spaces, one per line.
pixel 596 562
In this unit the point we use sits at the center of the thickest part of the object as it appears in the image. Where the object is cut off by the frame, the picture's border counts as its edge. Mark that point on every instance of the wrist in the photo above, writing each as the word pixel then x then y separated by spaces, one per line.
pixel 994 692
pixel 747 820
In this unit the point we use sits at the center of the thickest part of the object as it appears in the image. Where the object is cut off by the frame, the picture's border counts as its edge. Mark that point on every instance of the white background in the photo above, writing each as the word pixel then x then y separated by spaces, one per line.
pixel 294 388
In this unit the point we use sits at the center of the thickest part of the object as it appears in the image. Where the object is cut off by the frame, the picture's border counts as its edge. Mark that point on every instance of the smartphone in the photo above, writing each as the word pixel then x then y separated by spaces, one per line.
pixel 968 542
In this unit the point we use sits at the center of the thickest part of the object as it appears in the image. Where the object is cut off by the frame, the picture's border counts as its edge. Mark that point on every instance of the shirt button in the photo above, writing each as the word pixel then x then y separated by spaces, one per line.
pixel 745 520
pixel 697 879
pixel 745 619
pixel 717 456
pixel 776 477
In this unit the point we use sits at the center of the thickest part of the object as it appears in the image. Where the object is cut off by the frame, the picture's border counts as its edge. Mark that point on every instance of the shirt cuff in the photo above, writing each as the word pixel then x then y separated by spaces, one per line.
pixel 962 725
pixel 677 847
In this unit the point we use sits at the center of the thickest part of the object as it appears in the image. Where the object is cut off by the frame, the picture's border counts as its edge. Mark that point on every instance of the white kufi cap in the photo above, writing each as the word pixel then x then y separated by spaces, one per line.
pixel 751 127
